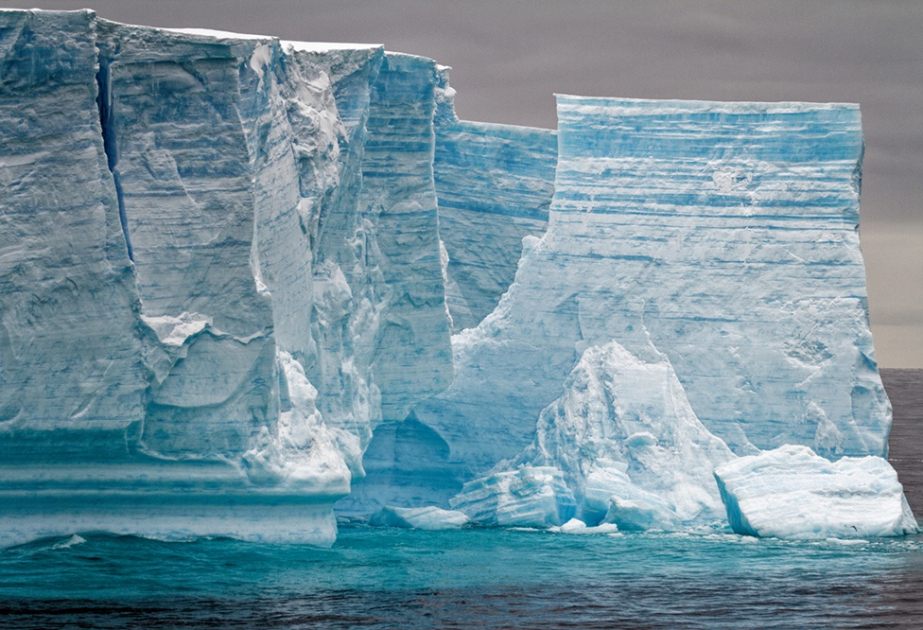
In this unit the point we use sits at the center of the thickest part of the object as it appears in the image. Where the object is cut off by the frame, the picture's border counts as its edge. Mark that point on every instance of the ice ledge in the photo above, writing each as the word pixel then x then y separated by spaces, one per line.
pixel 162 499
pixel 617 105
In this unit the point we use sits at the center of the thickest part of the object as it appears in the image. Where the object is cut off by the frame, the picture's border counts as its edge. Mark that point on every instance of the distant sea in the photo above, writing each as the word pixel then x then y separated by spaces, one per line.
pixel 481 578
pixel 905 389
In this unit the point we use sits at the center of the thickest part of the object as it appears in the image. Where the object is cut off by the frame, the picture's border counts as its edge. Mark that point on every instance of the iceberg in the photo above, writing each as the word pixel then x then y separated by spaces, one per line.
pixel 243 279
pixel 227 274
pixel 791 492
pixel 719 236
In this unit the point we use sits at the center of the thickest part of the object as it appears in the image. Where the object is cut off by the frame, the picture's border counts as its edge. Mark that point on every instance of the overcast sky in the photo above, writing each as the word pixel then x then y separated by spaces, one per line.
pixel 510 57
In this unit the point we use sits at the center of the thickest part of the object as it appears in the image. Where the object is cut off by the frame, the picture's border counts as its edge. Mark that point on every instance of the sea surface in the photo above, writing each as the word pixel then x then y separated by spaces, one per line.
pixel 482 578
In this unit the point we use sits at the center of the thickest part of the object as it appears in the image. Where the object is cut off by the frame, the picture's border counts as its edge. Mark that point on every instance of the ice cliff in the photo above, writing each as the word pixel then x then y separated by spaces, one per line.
pixel 220 270
pixel 230 267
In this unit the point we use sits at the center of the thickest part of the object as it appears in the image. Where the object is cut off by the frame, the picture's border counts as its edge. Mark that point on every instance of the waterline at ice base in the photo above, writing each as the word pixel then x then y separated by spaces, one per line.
pixel 248 285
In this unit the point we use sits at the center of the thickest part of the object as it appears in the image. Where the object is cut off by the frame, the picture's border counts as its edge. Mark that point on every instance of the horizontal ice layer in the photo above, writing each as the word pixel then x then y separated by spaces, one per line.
pixel 791 492
pixel 729 233
pixel 494 184
pixel 153 517
pixel 719 236
pixel 427 518
pixel 532 496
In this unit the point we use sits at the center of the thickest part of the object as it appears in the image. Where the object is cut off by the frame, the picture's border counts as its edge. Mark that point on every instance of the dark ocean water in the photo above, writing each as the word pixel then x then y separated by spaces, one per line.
pixel 478 578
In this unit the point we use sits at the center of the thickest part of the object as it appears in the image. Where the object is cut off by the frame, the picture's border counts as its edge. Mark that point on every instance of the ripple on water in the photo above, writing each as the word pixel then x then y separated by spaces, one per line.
pixel 385 578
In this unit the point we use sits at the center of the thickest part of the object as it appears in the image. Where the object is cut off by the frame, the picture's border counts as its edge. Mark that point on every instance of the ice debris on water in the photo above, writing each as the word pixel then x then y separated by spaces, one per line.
pixel 426 518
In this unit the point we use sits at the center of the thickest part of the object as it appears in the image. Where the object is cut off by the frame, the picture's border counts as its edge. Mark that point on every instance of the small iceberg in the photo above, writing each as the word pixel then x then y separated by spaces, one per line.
pixel 791 492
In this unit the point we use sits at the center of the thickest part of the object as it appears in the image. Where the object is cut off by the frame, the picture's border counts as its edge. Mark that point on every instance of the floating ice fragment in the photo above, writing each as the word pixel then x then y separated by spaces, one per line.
pixel 576 526
pixel 791 492
pixel 428 518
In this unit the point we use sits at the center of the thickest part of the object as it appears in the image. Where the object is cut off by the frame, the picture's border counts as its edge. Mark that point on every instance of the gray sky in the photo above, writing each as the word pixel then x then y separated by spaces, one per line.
pixel 509 57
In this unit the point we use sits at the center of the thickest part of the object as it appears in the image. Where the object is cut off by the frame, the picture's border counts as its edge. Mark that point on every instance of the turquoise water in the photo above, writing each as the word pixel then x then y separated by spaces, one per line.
pixel 481 578
pixel 389 578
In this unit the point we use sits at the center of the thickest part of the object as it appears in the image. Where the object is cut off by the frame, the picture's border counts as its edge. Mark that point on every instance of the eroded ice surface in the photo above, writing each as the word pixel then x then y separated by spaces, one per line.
pixel 719 236
pixel 791 492
pixel 221 271
pixel 628 445
pixel 226 260
pixel 494 184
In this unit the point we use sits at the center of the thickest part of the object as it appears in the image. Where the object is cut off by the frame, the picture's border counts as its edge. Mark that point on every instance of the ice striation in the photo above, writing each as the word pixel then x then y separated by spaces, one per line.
pixel 532 496
pixel 231 278
pixel 243 278
pixel 719 237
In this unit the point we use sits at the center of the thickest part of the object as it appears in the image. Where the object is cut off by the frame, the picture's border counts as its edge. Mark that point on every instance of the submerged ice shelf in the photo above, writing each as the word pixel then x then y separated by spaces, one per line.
pixel 244 278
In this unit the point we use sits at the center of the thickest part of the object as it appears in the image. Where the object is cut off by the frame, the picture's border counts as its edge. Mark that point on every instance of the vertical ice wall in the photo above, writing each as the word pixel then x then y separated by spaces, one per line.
pixel 230 227
pixel 71 376
pixel 327 92
pixel 412 352
pixel 732 235
pixel 379 315
pixel 719 236
pixel 204 169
